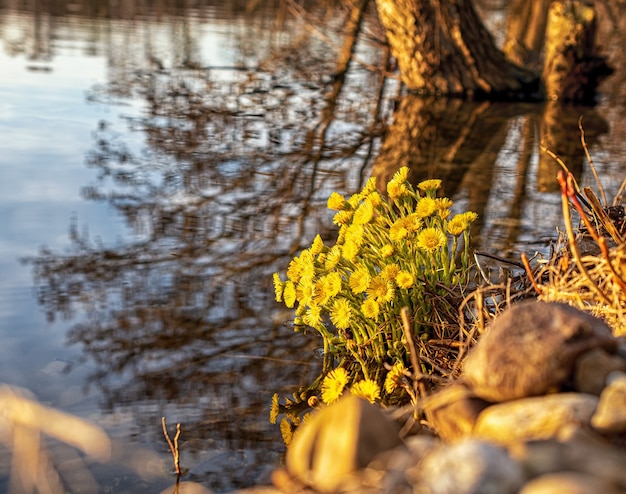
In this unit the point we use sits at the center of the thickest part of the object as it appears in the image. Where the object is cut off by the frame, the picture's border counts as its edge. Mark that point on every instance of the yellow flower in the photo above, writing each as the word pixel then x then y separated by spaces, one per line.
pixel 294 269
pixel 313 316
pixel 337 202
pixel 370 309
pixel 320 295
pixel 359 279
pixel 443 207
pixel 354 201
pixel 307 270
pixel 375 199
pixel 390 271
pixel 444 203
pixel 366 389
pixel 412 222
pixel 396 191
pixel 342 218
pixel 381 289
pixel 334 384
pixel 425 207
pixel 470 216
pixel 289 294
pixel 370 186
pixel 274 410
pixel 332 258
pixel 430 185
pixel 332 283
pixel 355 233
pixel 394 377
pixel 364 213
pixel 457 225
pixel 317 245
pixel 460 222
pixel 279 286
pixel 404 279
pixel 443 213
pixel 305 291
pixel 350 250
pixel 401 175
pixel 398 231
pixel 431 239
pixel 341 313
pixel 387 250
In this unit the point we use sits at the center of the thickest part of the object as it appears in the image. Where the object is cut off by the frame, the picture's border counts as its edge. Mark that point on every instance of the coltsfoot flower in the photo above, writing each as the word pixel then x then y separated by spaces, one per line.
pixel 334 384
pixel 337 202
pixel 394 377
pixel 404 279
pixel 370 309
pixel 341 313
pixel 431 239
pixel 366 389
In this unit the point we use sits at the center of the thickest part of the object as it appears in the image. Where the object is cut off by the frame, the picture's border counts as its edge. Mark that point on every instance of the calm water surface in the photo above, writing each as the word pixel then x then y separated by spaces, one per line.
pixel 157 167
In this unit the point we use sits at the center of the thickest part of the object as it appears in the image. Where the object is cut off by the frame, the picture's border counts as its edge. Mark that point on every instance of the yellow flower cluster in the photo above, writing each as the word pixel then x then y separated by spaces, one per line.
pixel 336 382
pixel 390 252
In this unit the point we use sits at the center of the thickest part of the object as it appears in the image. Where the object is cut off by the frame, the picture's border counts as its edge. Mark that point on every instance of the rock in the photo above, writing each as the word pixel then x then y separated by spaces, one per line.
pixel 569 483
pixel 610 416
pixel 453 411
pixel 539 417
pixel 467 467
pixel 581 451
pixel 531 348
pixel 591 370
pixel 339 440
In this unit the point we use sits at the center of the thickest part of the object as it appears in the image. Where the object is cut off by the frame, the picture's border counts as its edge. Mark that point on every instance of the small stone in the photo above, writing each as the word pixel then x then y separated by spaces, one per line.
pixel 468 467
pixel 338 441
pixel 610 416
pixel 592 367
pixel 539 417
pixel 569 483
pixel 453 411
pixel 531 348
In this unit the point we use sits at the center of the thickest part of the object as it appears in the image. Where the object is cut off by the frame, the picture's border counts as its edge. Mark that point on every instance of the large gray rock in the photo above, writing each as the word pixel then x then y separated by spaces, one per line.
pixel 531 349
pixel 467 467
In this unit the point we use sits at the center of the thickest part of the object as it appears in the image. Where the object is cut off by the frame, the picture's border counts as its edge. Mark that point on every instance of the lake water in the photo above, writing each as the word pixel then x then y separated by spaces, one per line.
pixel 158 165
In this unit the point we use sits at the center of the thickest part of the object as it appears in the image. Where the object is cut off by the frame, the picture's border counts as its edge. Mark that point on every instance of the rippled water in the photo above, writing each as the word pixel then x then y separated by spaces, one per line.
pixel 158 166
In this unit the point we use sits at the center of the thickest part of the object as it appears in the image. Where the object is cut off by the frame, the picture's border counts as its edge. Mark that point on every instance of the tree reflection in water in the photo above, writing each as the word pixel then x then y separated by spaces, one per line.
pixel 232 181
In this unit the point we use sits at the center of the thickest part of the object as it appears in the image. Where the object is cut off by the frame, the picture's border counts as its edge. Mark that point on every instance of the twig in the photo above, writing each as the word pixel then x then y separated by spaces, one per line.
pixel 567 191
pixel 593 168
pixel 173 446
pixel 529 272
pixel 408 334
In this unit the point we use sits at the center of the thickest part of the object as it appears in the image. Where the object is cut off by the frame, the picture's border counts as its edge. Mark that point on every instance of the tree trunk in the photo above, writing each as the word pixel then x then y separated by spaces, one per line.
pixel 443 48
pixel 526 31
pixel 572 69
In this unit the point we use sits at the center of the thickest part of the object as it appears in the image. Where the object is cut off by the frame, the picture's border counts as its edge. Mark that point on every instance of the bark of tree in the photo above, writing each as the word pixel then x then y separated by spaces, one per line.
pixel 572 69
pixel 526 31
pixel 443 48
